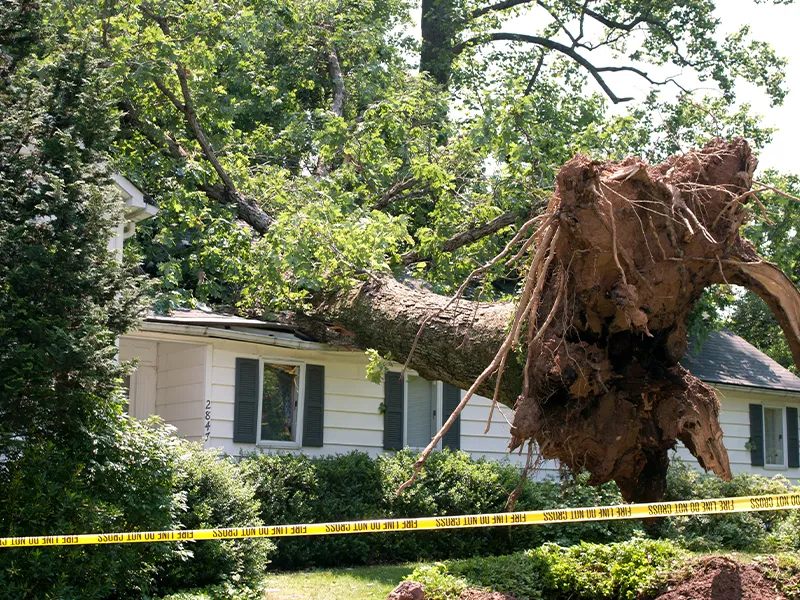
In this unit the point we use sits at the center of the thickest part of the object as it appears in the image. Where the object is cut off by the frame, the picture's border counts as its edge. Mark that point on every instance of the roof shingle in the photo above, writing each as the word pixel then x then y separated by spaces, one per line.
pixel 726 358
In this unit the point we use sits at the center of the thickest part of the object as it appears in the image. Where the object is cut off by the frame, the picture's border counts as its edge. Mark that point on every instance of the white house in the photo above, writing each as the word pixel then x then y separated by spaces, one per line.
pixel 244 385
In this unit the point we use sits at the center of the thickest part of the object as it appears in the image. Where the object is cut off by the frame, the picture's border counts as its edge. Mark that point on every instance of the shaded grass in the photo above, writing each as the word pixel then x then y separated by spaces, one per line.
pixel 358 583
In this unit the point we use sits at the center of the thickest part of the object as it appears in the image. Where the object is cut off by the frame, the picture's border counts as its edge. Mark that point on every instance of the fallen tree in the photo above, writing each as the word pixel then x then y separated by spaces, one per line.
pixel 339 170
pixel 588 357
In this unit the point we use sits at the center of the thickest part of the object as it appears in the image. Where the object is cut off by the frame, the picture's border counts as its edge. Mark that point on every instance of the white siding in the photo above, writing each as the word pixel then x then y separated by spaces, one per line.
pixel 188 375
pixel 180 389
pixel 142 394
pixel 735 420
pixel 353 420
pixel 169 381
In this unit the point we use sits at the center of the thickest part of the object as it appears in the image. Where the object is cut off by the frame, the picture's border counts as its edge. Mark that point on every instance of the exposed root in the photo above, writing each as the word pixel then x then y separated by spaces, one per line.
pixel 605 319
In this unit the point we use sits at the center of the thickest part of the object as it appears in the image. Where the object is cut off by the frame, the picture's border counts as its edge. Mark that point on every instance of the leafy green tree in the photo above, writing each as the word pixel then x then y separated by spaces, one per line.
pixel 70 461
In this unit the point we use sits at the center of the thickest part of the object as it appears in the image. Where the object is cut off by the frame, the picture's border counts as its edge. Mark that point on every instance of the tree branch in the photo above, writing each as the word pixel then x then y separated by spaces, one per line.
pixel 394 192
pixel 499 36
pixel 479 12
pixel 247 209
pixel 535 76
pixel 339 92
pixel 465 237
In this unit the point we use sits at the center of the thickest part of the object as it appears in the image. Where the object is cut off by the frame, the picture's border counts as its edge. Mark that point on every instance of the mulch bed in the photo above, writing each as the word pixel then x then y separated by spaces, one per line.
pixel 473 594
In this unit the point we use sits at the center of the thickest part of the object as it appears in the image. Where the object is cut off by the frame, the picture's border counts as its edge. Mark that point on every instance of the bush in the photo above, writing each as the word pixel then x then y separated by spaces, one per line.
pixel 299 489
pixel 216 495
pixel 623 571
pixel 126 484
pixel 752 532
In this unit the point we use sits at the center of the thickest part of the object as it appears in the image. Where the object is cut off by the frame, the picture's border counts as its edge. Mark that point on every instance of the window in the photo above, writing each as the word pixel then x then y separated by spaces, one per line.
pixel 773 437
pixel 279 402
pixel 268 406
pixel 415 410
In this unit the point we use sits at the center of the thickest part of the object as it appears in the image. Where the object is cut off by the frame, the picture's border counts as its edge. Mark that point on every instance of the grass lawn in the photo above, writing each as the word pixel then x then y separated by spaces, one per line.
pixel 335 584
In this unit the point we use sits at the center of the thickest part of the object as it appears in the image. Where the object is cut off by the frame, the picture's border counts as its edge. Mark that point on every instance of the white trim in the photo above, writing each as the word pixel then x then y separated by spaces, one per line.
pixel 239 336
pixel 754 390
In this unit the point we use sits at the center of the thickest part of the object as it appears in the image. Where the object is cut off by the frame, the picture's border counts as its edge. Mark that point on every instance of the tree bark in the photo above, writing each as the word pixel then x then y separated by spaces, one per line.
pixel 438 28
pixel 455 343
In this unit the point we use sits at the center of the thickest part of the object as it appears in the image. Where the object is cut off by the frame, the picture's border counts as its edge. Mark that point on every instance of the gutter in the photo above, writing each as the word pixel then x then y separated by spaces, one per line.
pixel 732 387
pixel 239 336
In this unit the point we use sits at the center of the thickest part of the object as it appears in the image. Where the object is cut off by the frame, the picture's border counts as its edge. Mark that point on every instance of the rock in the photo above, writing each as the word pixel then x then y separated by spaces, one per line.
pixel 408 590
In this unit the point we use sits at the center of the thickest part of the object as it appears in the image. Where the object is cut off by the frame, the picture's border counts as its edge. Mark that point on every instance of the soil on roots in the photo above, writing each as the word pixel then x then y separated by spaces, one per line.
pixel 628 250
pixel 720 578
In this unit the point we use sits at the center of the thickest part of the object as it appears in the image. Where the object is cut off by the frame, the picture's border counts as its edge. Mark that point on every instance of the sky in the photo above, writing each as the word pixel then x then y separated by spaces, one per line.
pixel 779 25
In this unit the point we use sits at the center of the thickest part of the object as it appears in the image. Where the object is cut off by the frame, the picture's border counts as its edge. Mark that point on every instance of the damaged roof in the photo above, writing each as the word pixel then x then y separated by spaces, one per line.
pixel 223 325
pixel 723 358
pixel 728 359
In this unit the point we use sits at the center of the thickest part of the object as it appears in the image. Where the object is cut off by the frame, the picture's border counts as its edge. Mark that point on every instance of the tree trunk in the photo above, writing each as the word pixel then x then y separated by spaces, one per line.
pixel 454 346
pixel 438 28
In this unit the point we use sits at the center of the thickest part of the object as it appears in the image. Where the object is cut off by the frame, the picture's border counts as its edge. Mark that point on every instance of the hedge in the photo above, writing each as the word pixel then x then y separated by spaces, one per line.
pixel 299 489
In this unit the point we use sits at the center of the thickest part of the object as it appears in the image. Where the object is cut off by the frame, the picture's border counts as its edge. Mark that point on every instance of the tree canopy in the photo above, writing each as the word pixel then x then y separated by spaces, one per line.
pixel 309 122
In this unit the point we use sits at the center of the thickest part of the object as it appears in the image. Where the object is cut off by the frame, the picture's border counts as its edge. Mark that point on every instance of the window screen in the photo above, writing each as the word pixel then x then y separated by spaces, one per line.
pixel 773 436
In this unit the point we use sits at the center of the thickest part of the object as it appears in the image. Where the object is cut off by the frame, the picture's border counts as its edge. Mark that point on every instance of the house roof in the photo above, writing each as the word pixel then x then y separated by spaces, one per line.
pixel 204 323
pixel 728 359
pixel 193 316
pixel 723 358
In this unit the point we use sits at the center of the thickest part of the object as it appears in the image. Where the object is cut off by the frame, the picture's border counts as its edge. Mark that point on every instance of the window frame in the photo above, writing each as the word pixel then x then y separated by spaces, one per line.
pixel 438 389
pixel 784 436
pixel 297 442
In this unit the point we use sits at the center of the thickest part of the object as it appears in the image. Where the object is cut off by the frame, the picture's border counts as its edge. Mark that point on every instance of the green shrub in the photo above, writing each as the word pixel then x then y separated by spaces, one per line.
pixel 752 532
pixel 619 571
pixel 126 484
pixel 216 495
pixel 299 489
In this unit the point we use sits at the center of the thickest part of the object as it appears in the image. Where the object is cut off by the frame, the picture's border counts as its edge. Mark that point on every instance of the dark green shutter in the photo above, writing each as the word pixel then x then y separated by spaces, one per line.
pixel 393 412
pixel 245 401
pixel 314 407
pixel 756 435
pixel 451 396
pixel 793 437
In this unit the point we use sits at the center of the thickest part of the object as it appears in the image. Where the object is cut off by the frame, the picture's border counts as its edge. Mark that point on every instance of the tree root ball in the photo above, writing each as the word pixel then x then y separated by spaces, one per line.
pixel 631 249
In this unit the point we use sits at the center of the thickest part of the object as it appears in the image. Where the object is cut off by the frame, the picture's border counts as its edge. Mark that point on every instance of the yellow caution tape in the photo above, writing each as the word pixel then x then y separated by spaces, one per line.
pixel 712 506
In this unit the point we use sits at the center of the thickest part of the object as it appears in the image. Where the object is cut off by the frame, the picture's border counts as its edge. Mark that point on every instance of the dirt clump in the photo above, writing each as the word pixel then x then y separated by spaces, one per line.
pixel 721 578
pixel 475 594
pixel 407 590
